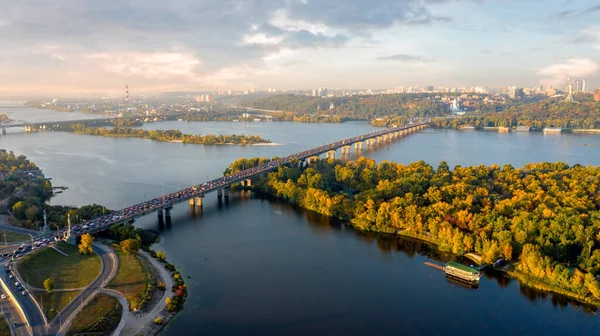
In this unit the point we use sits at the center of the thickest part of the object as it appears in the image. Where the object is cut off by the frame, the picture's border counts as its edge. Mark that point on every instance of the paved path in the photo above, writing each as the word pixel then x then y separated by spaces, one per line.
pixel 124 313
pixel 63 320
pixel 136 323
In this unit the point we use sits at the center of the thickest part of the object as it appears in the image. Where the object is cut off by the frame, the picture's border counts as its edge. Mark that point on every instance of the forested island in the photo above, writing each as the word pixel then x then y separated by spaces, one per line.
pixel 169 135
pixel 545 216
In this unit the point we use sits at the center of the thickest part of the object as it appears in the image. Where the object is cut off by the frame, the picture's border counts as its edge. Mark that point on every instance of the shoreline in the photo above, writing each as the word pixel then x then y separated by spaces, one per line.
pixel 523 279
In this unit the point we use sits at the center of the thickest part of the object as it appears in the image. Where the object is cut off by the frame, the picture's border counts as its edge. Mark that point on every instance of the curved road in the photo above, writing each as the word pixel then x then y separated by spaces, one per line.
pixel 36 317
pixel 109 269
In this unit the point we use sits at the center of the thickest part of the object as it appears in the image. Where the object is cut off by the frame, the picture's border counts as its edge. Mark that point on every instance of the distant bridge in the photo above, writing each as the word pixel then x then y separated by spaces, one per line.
pixel 193 195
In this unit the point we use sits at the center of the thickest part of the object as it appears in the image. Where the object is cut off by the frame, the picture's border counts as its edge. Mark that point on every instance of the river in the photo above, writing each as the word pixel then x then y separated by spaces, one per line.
pixel 261 267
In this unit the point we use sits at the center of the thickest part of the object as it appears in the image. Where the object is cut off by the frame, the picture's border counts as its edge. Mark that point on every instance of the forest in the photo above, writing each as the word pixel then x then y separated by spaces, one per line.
pixel 546 216
pixel 168 135
pixel 546 113
pixel 356 107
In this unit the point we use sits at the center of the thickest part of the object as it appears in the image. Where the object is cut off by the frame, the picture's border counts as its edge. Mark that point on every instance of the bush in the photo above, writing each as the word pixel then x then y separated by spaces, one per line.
pixel 161 285
pixel 170 267
pixel 158 320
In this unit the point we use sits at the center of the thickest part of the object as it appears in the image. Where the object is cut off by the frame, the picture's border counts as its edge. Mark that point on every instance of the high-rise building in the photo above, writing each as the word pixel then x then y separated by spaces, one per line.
pixel 584 85
pixel 515 92
pixel 597 94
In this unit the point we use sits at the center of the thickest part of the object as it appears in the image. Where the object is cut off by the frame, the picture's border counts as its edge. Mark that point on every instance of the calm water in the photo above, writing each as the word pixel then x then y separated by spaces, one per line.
pixel 260 267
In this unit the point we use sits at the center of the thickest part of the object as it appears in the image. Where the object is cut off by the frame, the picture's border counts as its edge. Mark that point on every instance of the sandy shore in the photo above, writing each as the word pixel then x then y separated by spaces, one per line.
pixel 267 144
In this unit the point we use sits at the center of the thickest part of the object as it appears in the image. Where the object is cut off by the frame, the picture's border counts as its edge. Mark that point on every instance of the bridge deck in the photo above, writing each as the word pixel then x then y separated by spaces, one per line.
pixel 168 201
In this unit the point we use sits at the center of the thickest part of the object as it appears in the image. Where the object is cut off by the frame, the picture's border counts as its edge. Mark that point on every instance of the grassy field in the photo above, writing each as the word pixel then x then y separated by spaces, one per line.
pixel 101 315
pixel 4 329
pixel 131 280
pixel 13 237
pixel 55 302
pixel 74 271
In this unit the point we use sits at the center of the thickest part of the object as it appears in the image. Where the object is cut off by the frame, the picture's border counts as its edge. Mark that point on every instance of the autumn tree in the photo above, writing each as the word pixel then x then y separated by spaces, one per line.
pixel 85 246
pixel 130 246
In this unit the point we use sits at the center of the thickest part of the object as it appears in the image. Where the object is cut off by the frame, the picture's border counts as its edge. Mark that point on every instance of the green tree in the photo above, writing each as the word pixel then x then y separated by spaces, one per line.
pixel 49 285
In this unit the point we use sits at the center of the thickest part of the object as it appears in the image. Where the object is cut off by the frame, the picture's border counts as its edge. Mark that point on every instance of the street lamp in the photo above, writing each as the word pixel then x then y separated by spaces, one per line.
pixel 32 246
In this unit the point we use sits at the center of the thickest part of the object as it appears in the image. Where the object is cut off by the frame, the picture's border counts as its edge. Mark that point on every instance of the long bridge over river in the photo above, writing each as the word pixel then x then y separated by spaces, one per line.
pixel 162 205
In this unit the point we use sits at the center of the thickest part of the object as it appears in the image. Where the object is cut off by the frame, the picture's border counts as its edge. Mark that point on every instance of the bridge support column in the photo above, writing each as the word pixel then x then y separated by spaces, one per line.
pixel 379 140
pixel 160 217
pixel 226 192
pixel 192 202
pixel 72 240
pixel 248 183
pixel 330 155
pixel 4 131
pixel 199 201
pixel 346 150
pixel 358 146
pixel 168 216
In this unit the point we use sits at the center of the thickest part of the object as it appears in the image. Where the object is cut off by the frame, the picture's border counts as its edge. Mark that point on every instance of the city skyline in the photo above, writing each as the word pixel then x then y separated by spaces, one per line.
pixel 80 47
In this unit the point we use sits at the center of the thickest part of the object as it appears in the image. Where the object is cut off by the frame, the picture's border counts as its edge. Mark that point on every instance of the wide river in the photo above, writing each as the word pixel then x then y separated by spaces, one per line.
pixel 258 267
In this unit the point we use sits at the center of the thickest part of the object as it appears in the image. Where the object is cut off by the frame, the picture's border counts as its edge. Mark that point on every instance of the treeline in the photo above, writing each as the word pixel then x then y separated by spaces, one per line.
pixel 546 113
pixel 169 135
pixel 546 215
pixel 22 184
pixel 356 107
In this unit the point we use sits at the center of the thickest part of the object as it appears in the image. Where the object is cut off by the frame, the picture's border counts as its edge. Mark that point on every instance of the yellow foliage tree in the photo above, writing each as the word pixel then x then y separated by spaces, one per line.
pixel 85 246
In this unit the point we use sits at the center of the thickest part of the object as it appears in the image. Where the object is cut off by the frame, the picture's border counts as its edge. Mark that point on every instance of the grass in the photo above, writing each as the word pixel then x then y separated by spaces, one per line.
pixel 4 329
pixel 132 279
pixel 74 271
pixel 13 237
pixel 55 302
pixel 101 315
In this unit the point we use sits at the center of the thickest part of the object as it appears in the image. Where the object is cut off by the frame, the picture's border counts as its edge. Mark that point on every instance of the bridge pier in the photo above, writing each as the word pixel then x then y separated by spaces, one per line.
pixel 4 131
pixel 72 240
pixel 220 194
pixel 226 192
pixel 358 146
pixel 330 155
pixel 248 183
pixel 199 201
pixel 346 150
pixel 168 216
pixel 192 202
pixel 160 216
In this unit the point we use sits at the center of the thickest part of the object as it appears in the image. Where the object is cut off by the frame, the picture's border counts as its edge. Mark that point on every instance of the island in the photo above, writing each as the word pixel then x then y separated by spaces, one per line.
pixel 169 136
pixel 544 218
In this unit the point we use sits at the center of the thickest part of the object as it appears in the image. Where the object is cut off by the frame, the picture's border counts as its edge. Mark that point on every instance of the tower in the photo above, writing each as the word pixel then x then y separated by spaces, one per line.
pixel 46 228
pixel 126 94
pixel 570 95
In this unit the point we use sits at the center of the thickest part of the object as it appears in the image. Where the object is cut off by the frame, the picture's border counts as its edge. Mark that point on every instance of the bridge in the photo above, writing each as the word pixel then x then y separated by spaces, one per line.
pixel 194 194
pixel 29 126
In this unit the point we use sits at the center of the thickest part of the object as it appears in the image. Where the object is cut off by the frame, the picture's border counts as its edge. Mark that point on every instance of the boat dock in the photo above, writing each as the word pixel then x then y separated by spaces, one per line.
pixel 434 265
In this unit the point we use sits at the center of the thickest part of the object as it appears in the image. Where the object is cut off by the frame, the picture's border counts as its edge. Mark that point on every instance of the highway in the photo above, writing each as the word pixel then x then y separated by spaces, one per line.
pixel 35 317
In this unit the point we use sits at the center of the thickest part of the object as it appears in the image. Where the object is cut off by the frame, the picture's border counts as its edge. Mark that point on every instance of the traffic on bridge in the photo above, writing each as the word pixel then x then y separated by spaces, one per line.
pixel 166 202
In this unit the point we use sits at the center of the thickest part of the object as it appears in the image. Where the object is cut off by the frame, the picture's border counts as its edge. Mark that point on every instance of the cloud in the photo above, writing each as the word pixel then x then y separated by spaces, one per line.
pixel 556 74
pixel 57 56
pixel 407 58
pixel 150 65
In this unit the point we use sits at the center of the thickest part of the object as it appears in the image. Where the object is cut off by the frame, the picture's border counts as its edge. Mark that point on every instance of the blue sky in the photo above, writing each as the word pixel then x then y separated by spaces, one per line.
pixel 83 46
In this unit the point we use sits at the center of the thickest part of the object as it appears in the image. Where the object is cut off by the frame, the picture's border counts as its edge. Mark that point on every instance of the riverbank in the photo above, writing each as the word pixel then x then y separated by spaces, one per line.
pixel 419 201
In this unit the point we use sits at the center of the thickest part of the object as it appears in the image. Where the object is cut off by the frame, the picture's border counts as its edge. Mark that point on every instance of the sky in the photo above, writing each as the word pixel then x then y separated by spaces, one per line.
pixel 86 46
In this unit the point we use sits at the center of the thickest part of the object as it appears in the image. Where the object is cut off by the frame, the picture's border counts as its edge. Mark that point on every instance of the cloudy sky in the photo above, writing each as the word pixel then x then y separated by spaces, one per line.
pixel 58 46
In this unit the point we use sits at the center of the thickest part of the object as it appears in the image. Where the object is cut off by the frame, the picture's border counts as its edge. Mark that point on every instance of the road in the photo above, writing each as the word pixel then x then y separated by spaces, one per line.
pixel 35 317
pixel 12 314
pixel 109 270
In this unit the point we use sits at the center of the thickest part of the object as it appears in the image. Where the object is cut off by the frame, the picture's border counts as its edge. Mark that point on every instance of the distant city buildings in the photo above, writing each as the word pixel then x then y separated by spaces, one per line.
pixel 597 94
pixel 203 98
pixel 515 93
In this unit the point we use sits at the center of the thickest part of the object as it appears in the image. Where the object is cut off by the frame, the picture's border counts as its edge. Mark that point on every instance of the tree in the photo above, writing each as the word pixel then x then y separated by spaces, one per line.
pixel 160 255
pixel 130 246
pixel 49 285
pixel 86 244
